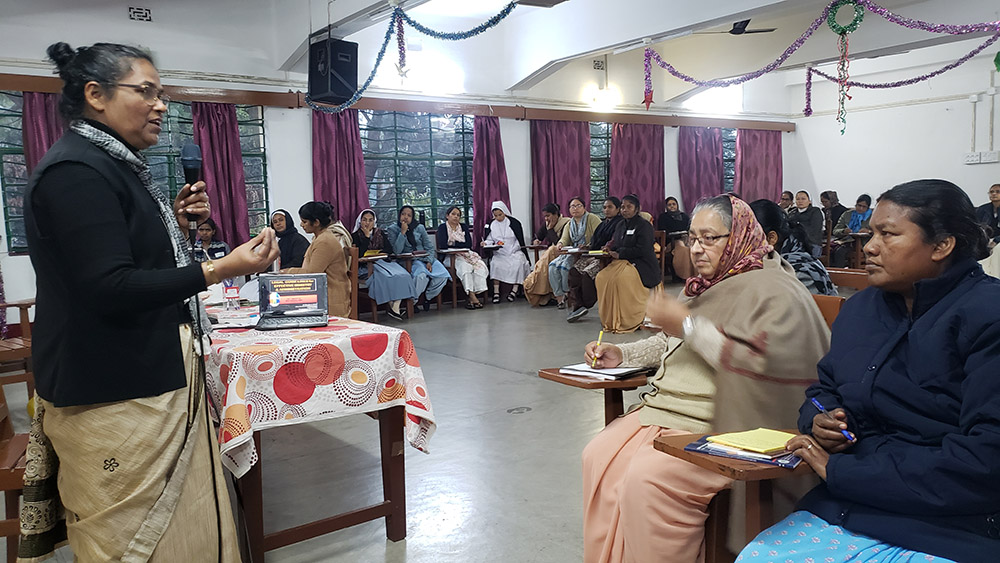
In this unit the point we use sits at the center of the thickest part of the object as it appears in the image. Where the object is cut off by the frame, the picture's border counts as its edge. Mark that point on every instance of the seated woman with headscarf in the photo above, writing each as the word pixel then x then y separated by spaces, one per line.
pixel 911 376
pixel 469 266
pixel 582 287
pixel 578 233
pixel 292 244
pixel 787 239
pixel 509 263
pixel 675 223
pixel 737 349
pixel 386 281
pixel 429 275
pixel 623 285
pixel 854 221
pixel 327 254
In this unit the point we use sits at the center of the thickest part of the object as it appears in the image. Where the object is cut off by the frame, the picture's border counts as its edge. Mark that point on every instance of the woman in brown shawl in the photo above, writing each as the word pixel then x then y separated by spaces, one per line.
pixel 737 350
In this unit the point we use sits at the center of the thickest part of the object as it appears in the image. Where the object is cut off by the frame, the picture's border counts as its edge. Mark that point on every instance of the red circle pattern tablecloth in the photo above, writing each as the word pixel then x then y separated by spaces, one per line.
pixel 262 379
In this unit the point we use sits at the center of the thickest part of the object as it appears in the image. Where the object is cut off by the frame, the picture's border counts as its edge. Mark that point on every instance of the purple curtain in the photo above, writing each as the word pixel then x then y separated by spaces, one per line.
pixel 758 164
pixel 41 125
pixel 339 164
pixel 489 174
pixel 699 163
pixel 216 132
pixel 560 165
pixel 637 165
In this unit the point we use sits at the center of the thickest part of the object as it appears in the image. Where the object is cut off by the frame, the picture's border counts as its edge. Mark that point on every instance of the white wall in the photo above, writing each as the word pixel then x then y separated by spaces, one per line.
pixel 895 135
pixel 515 136
pixel 288 139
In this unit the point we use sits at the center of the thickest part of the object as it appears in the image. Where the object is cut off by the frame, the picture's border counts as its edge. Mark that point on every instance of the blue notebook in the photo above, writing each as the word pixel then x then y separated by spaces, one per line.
pixel 790 461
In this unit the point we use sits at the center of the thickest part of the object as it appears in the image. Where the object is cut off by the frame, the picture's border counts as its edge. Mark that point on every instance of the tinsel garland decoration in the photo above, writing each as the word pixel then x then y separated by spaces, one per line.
pixel 898 83
pixel 396 25
pixel 401 45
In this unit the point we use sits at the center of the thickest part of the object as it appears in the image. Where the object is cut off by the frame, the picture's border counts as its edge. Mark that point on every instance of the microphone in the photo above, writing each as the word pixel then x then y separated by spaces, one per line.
pixel 191 162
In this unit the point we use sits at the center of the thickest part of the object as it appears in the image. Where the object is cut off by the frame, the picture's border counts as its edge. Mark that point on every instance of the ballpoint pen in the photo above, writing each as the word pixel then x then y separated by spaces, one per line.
pixel 831 417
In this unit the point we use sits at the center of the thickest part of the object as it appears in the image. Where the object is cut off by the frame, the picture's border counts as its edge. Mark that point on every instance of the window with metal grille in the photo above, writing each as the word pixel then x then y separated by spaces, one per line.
pixel 418 159
pixel 728 159
pixel 164 161
pixel 178 129
pixel 13 173
pixel 600 165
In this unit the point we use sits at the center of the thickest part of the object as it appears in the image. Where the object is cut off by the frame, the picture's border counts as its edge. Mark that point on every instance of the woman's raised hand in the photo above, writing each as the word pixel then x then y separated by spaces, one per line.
pixel 255 255
pixel 667 312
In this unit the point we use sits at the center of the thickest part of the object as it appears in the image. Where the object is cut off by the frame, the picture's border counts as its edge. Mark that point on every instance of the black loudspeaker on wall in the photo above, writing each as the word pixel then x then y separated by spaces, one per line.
pixel 333 70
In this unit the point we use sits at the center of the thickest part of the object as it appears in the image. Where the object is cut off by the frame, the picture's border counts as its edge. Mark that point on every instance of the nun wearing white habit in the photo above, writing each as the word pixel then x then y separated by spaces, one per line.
pixel 510 262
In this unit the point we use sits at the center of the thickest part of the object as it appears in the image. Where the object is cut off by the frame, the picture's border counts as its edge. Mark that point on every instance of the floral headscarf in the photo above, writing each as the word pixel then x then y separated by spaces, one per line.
pixel 745 250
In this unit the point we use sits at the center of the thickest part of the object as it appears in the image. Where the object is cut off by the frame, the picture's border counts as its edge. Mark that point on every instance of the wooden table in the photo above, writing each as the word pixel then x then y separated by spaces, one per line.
pixel 259 380
pixel 536 248
pixel 614 405
pixel 757 476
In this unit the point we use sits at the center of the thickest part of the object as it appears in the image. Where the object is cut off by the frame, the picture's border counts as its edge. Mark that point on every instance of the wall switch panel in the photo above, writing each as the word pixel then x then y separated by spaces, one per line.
pixel 972 158
pixel 989 156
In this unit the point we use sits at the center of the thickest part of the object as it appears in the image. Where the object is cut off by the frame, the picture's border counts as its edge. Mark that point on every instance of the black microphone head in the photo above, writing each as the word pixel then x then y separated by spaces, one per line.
pixel 191 156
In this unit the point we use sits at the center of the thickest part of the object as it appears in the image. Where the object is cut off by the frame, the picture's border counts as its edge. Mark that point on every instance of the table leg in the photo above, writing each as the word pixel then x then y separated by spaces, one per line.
pixel 614 405
pixel 454 282
pixel 715 528
pixel 251 517
pixel 393 442
pixel 760 507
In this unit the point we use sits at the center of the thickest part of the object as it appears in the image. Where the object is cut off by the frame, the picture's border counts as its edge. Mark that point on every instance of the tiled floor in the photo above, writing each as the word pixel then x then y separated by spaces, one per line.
pixel 502 482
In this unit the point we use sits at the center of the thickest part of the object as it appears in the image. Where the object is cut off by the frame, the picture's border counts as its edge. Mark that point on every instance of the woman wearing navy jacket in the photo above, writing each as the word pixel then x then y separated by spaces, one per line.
pixel 469 266
pixel 911 461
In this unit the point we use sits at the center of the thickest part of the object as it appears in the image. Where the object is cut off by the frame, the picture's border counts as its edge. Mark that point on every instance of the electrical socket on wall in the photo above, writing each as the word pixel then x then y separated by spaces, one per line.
pixel 989 156
pixel 972 158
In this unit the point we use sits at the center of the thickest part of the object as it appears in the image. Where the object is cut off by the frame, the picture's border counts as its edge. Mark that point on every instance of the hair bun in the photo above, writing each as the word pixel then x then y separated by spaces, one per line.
pixel 61 54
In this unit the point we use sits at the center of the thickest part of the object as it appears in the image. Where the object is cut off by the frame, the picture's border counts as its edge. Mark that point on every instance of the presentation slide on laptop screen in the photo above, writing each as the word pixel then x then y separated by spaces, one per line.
pixel 291 293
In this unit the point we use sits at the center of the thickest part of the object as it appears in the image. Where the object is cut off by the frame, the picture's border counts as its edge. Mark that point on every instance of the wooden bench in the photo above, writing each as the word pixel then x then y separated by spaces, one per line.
pixel 846 277
pixel 614 405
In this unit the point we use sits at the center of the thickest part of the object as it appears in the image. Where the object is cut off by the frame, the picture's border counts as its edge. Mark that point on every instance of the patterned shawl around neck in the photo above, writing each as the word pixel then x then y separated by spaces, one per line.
pixel 137 163
pixel 745 250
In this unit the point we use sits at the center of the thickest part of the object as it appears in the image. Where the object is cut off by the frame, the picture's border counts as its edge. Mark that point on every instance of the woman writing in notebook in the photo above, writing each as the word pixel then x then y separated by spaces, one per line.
pixel 912 378
pixel 723 364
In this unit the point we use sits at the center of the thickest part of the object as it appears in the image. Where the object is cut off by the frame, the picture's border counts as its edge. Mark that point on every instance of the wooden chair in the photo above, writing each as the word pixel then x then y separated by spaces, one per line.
pixel 12 463
pixel 15 351
pixel 829 306
pixel 757 477
pixel 845 277
pixel 825 257
pixel 660 237
pixel 614 405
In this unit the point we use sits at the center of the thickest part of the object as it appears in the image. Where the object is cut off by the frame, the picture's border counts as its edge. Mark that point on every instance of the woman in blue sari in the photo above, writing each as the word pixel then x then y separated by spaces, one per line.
pixel 429 275
pixel 387 282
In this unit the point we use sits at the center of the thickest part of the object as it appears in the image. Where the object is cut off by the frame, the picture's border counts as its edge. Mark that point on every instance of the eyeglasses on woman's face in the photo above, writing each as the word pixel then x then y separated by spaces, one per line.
pixel 149 92
pixel 706 240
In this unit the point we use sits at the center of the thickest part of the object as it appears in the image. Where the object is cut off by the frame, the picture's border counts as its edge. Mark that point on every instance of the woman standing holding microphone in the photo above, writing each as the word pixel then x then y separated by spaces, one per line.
pixel 138 467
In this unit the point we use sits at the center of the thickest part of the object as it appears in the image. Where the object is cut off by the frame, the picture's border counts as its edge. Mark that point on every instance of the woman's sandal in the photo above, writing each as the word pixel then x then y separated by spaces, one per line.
pixel 479 305
pixel 496 297
pixel 470 305
pixel 511 296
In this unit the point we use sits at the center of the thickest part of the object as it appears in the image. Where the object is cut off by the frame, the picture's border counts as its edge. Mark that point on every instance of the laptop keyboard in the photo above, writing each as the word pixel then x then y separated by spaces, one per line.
pixel 277 323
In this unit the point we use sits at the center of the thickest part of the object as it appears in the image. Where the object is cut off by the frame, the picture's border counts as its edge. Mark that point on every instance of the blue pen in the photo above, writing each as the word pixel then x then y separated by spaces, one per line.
pixel 827 413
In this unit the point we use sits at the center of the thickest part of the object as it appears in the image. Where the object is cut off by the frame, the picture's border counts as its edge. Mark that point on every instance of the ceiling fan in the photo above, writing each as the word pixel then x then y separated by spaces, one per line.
pixel 740 28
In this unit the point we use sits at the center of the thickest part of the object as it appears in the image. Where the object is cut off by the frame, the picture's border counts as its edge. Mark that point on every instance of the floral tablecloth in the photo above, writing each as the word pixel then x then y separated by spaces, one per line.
pixel 263 379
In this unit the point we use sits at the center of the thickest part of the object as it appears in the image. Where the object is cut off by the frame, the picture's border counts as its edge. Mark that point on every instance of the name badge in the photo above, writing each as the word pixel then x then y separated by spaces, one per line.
pixel 630 232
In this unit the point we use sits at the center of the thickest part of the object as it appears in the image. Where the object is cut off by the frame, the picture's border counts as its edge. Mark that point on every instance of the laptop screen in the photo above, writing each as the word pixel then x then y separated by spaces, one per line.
pixel 283 293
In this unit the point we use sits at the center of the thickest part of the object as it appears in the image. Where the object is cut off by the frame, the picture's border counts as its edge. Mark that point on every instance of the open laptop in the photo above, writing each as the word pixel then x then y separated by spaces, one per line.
pixel 292 301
